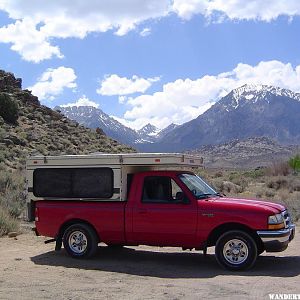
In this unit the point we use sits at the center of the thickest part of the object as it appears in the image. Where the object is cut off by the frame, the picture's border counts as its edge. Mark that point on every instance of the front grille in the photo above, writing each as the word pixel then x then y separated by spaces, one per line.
pixel 287 218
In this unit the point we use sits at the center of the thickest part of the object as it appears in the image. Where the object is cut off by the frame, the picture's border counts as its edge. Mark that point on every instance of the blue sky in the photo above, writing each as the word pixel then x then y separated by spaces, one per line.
pixel 155 61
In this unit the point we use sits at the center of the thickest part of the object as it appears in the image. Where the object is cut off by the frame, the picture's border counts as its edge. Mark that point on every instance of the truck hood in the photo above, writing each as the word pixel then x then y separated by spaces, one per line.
pixel 248 204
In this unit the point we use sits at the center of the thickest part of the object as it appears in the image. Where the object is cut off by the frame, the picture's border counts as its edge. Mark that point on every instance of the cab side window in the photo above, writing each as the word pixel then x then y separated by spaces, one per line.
pixel 160 189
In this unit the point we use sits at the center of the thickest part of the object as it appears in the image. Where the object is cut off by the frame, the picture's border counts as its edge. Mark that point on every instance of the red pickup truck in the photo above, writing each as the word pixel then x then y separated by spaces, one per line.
pixel 158 207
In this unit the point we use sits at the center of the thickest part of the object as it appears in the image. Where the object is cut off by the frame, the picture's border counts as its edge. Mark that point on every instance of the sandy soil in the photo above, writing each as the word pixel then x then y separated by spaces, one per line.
pixel 31 269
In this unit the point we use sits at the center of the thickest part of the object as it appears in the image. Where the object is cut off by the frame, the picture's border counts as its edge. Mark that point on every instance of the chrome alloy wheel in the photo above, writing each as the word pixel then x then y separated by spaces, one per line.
pixel 77 242
pixel 235 251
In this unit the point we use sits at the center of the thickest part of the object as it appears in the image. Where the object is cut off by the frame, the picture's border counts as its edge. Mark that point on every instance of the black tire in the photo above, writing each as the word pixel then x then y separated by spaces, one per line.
pixel 80 241
pixel 236 250
pixel 260 250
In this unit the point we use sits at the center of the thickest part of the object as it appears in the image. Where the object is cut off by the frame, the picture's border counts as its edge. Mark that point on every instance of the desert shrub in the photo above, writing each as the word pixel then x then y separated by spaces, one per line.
pixel 294 185
pixel 12 194
pixel 255 173
pixel 294 163
pixel 259 194
pixel 9 109
pixel 7 222
pixel 2 133
pixel 291 201
pixel 269 193
pixel 238 179
pixel 278 169
pixel 226 187
pixel 218 174
pixel 277 183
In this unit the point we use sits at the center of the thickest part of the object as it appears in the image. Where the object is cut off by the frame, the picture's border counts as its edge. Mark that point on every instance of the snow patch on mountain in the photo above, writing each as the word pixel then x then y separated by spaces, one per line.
pixel 257 92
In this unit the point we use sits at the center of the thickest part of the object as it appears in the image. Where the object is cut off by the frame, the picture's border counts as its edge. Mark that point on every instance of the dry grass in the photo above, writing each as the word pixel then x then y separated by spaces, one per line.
pixel 276 183
pixel 7 222
pixel 12 199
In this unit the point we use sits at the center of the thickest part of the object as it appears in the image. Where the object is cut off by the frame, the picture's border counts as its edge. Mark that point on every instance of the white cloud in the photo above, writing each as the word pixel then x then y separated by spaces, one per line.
pixel 264 10
pixel 185 99
pixel 53 82
pixel 37 22
pixel 145 32
pixel 116 85
pixel 28 41
pixel 83 101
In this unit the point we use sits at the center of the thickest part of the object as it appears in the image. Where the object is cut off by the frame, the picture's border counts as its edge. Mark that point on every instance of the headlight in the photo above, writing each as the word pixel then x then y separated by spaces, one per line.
pixel 276 219
pixel 276 222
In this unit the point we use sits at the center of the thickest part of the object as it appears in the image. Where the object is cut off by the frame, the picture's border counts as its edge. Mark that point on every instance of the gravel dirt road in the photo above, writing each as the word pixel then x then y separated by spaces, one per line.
pixel 31 269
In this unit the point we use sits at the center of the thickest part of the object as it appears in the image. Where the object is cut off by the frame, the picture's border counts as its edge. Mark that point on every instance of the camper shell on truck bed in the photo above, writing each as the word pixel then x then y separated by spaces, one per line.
pixel 94 177
pixel 148 199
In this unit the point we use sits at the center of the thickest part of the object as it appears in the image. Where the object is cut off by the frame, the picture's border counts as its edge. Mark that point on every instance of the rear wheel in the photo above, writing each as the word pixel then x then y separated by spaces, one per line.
pixel 236 250
pixel 80 241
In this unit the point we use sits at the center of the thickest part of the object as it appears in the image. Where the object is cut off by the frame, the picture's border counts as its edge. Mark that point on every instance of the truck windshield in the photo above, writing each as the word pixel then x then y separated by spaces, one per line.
pixel 198 186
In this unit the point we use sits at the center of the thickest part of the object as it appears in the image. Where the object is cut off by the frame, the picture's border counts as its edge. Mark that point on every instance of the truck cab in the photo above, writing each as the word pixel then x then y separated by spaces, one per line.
pixel 148 199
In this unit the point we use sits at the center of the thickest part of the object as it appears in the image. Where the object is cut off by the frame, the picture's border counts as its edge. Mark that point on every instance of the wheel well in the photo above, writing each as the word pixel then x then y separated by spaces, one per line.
pixel 75 221
pixel 218 231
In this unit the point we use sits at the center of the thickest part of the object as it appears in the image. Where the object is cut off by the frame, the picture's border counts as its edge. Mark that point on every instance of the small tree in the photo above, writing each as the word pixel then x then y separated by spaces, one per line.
pixel 294 163
pixel 9 109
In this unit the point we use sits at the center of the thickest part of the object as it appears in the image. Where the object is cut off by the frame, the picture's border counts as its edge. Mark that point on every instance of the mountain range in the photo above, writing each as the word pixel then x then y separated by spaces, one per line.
pixel 92 117
pixel 248 111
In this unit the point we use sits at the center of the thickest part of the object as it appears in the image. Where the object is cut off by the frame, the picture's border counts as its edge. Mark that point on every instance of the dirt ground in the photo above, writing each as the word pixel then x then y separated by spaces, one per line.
pixel 31 269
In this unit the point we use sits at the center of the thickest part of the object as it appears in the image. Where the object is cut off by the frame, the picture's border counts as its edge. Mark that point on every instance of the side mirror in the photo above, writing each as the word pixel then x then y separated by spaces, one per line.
pixel 180 197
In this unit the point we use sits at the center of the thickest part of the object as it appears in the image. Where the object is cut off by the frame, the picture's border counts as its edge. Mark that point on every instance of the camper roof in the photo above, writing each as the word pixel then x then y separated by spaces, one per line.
pixel 133 159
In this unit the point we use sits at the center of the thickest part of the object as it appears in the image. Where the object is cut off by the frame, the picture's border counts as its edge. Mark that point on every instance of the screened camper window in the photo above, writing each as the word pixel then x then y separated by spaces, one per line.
pixel 73 183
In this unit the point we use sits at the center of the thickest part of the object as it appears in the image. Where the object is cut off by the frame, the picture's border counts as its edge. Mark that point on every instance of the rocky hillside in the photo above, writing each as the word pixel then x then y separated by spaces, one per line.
pixel 38 129
pixel 249 153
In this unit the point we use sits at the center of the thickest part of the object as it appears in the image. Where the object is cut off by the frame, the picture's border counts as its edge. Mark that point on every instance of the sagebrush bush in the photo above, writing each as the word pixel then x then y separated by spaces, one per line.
pixel 277 183
pixel 7 222
pixel 294 163
pixel 9 109
pixel 278 169
pixel 12 194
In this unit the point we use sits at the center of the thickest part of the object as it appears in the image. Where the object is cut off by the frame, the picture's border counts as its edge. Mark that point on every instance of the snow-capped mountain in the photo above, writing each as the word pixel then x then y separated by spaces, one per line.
pixel 255 92
pixel 93 117
pixel 248 111
pixel 147 134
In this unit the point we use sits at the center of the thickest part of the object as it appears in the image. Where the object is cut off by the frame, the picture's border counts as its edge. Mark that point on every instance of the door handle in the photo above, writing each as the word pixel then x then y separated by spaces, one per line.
pixel 142 211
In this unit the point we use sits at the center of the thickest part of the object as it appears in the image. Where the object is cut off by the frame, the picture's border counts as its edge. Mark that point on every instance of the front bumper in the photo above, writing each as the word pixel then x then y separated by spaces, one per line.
pixel 277 240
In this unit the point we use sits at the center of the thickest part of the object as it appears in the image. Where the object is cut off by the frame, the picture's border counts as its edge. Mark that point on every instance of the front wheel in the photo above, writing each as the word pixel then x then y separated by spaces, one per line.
pixel 80 241
pixel 236 250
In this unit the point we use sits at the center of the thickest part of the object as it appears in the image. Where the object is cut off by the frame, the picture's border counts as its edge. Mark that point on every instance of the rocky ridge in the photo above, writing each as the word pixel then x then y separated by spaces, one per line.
pixel 41 130
pixel 248 153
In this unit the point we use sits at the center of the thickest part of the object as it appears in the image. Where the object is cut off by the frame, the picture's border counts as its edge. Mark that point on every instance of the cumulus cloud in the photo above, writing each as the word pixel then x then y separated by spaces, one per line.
pixel 116 85
pixel 145 32
pixel 28 41
pixel 53 82
pixel 83 101
pixel 264 10
pixel 37 22
pixel 185 99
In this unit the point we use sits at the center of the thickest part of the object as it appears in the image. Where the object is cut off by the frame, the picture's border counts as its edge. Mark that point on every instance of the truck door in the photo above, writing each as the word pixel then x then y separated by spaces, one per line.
pixel 164 215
